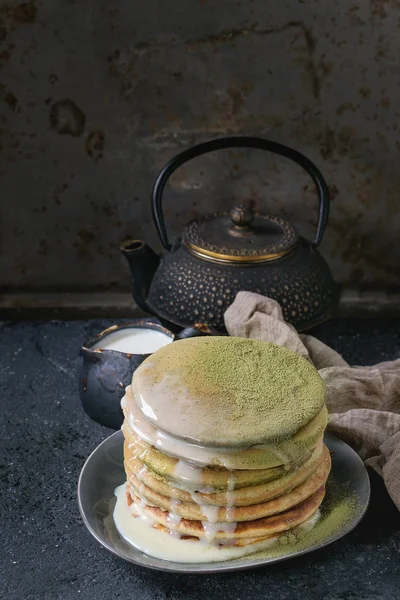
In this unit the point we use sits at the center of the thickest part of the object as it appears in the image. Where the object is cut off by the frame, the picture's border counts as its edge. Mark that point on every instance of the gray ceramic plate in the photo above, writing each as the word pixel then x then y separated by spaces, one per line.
pixel 103 472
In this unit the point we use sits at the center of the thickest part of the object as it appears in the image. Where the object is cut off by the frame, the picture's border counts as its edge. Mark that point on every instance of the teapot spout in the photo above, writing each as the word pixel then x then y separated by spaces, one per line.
pixel 143 263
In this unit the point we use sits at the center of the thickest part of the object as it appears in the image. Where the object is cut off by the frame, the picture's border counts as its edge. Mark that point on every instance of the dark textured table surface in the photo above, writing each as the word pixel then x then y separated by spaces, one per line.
pixel 48 554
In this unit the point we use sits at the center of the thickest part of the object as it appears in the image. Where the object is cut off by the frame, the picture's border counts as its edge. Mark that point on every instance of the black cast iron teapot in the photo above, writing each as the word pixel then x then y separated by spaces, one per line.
pixel 223 253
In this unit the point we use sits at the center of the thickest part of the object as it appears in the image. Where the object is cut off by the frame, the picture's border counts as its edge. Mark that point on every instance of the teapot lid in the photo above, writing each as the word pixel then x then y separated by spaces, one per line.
pixel 240 236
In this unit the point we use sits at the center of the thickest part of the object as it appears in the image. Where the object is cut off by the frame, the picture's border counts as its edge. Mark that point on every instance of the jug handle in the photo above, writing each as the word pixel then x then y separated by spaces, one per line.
pixel 239 142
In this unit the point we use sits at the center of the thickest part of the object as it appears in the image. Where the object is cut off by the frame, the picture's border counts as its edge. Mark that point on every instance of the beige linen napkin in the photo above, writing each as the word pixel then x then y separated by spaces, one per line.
pixel 363 402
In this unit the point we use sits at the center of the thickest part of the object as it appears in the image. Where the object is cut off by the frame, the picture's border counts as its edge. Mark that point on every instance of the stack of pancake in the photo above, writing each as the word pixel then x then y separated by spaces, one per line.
pixel 224 441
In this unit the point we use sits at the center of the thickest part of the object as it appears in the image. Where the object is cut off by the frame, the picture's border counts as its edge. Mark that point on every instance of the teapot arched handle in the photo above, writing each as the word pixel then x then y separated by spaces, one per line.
pixel 239 142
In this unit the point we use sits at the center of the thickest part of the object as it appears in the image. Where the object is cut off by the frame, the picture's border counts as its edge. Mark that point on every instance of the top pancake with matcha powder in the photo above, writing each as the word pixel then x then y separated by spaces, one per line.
pixel 227 391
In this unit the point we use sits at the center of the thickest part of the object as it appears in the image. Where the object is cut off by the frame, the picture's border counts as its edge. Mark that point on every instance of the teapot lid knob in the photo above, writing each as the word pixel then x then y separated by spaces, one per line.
pixel 242 216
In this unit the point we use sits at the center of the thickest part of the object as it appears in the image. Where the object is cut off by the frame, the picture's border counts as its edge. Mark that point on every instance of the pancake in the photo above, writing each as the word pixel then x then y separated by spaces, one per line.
pixel 259 528
pixel 243 496
pixel 209 478
pixel 250 392
pixel 232 513
pixel 234 542
pixel 260 457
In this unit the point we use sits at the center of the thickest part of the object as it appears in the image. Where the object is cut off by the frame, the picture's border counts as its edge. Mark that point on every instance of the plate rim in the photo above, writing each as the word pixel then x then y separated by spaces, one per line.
pixel 228 566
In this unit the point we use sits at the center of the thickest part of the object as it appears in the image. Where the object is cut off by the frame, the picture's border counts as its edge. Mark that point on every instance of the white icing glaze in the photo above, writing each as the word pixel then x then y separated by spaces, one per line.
pixel 230 498
pixel 188 473
pixel 230 515
pixel 211 529
pixel 139 533
pixel 210 512
pixel 141 473
pixel 176 447
pixel 173 519
pixel 133 340
pixel 166 393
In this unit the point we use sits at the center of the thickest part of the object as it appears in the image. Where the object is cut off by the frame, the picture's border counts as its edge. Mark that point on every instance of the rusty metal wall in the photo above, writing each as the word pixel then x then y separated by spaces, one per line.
pixel 96 96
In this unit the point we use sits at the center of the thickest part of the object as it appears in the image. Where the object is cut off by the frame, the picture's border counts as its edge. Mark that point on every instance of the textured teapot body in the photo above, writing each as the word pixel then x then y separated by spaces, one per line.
pixel 186 288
